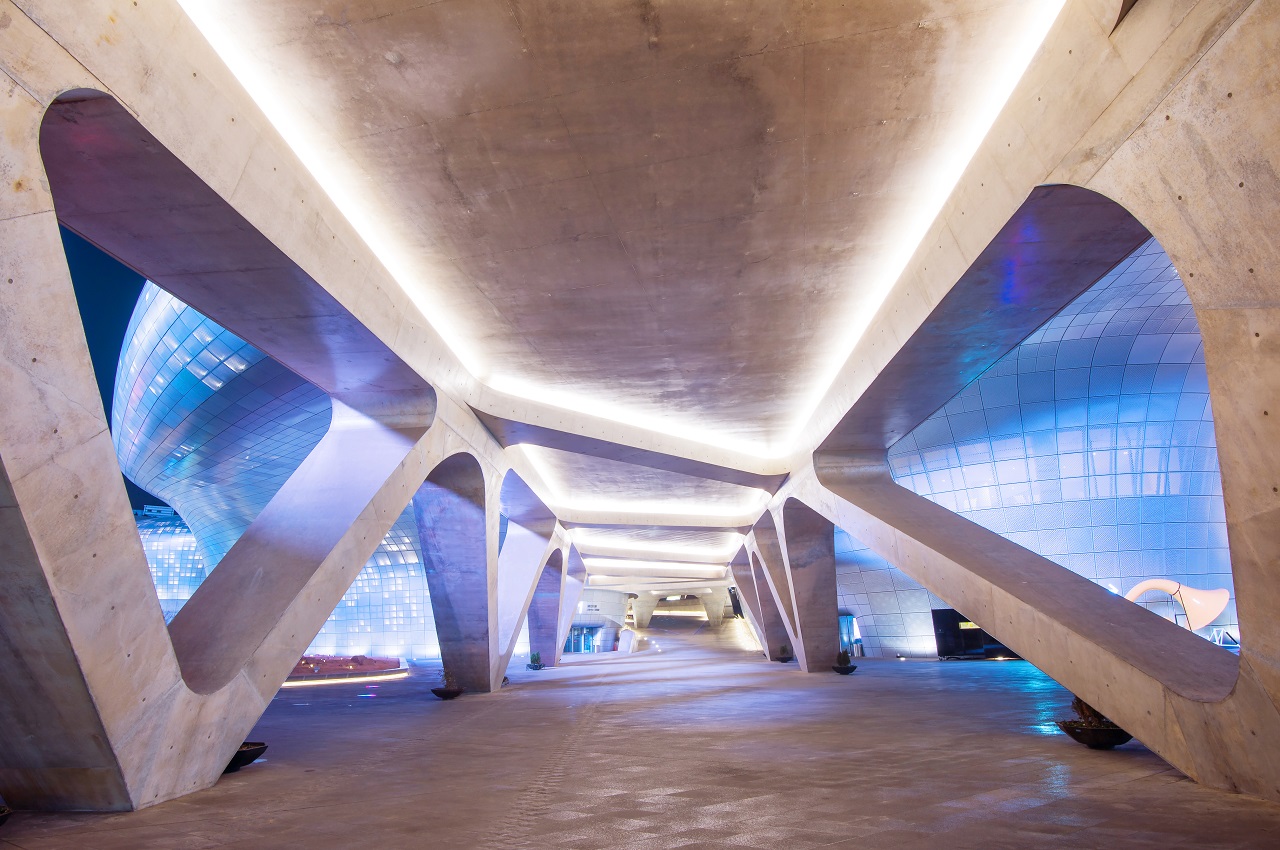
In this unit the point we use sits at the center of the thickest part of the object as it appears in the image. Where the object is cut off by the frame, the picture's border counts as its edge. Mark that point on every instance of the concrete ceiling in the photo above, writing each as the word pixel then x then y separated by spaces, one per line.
pixel 589 488
pixel 668 213
pixel 656 543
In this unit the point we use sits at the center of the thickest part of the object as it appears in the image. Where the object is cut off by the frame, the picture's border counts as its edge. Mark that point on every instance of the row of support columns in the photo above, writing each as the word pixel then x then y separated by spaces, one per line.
pixel 486 577
pixel 713 603
pixel 786 578
pixel 119 712
pixel 109 708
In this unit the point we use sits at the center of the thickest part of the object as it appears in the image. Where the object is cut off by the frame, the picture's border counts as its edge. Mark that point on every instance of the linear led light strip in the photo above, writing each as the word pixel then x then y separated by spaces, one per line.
pixel 348 680
pixel 750 501
pixel 960 150
pixel 613 547
pixel 990 99
pixel 606 566
pixel 334 173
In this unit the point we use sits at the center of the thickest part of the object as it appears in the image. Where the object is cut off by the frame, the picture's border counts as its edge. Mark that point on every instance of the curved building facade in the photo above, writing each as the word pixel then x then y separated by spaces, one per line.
pixel 1090 443
pixel 173 556
pixel 215 427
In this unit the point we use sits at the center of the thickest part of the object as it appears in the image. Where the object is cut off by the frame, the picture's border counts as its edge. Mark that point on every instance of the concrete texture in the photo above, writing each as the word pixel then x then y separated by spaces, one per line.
pixel 454 529
pixel 737 752
pixel 643 607
pixel 715 604
pixel 630 174
pixel 1058 244
pixel 657 228
pixel 796 547
pixel 544 611
pixel 761 607
pixel 481 590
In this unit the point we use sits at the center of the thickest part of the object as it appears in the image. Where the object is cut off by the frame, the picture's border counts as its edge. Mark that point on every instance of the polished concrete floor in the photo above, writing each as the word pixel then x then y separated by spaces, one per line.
pixel 701 745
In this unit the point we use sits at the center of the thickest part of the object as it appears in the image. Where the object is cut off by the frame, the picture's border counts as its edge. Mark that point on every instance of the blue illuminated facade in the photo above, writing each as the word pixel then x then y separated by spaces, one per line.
pixel 173 556
pixel 215 427
pixel 1091 443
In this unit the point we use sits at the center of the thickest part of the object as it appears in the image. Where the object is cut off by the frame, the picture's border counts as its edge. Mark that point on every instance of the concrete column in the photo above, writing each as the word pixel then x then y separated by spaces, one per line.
pixel 759 604
pixel 796 548
pixel 544 611
pixel 456 535
pixel 523 555
pixel 606 637
pixel 643 606
pixel 809 551
pixel 774 582
pixel 1192 702
pixel 115 711
pixel 714 603
pixel 574 580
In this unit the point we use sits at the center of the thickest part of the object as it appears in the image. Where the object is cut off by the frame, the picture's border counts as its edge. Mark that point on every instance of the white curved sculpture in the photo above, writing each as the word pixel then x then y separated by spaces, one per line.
pixel 1202 606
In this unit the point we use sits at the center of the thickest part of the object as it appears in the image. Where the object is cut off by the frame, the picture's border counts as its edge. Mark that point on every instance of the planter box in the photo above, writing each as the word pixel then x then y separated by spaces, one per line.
pixel 249 752
pixel 1095 737
pixel 448 693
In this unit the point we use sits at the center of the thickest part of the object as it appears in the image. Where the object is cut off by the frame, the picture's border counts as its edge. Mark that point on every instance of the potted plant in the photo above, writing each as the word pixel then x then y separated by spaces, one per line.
pixel 248 753
pixel 784 654
pixel 535 661
pixel 1092 729
pixel 451 690
pixel 842 665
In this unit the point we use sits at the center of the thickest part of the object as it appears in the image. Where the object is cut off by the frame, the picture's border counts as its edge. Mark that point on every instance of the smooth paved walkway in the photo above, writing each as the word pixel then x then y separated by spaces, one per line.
pixel 702 745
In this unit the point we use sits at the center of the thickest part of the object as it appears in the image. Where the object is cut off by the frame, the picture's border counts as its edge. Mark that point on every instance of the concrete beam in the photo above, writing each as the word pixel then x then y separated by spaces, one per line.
pixel 521 558
pixel 1192 702
pixel 1061 241
pixel 544 611
pixel 643 607
pixel 768 554
pixel 509 432
pixel 237 607
pixel 120 188
pixel 115 713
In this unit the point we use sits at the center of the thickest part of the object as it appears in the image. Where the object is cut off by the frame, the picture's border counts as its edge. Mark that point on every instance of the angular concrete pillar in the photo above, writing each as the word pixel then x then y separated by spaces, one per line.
pixel 523 554
pixel 575 578
pixel 114 710
pixel 774 581
pixel 533 539
pixel 810 555
pixel 759 605
pixel 544 610
pixel 455 531
pixel 714 604
pixel 796 548
pixel 481 591
pixel 643 607
pixel 1187 699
